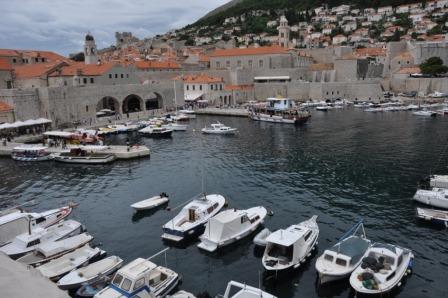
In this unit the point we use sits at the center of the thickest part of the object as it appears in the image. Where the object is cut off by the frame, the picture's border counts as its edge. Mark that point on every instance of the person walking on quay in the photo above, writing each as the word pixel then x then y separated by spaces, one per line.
pixel 128 145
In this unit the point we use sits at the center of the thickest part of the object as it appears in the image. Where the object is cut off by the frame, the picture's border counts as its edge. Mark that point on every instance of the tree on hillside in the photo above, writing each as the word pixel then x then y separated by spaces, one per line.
pixel 433 66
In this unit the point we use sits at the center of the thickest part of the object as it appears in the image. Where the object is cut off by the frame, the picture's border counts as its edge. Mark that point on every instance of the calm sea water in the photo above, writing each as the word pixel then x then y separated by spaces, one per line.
pixel 342 166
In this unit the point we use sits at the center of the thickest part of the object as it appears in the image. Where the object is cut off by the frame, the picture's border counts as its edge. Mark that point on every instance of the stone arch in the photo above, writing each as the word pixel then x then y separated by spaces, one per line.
pixel 132 103
pixel 108 102
pixel 153 101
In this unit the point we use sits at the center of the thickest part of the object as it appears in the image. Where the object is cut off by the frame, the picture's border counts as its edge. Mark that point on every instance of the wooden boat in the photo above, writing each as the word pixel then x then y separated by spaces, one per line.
pixel 58 267
pixel 287 249
pixel 238 290
pixel 151 203
pixel 383 269
pixel 230 226
pixel 91 273
pixel 435 216
pixel 80 156
pixel 31 153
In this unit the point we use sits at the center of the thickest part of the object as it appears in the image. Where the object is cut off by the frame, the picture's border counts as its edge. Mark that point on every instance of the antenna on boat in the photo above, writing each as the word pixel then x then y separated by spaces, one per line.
pixel 159 253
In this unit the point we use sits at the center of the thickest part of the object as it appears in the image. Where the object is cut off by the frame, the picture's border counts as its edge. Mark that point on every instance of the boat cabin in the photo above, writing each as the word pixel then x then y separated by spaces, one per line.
pixel 385 259
pixel 347 253
pixel 280 104
pixel 30 151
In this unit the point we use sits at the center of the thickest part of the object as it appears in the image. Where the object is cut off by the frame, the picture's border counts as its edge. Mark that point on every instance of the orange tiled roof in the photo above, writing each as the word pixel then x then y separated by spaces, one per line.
pixel 4 107
pixel 405 55
pixel 200 79
pixel 372 52
pixel 204 58
pixel 27 71
pixel 8 53
pixel 238 87
pixel 84 69
pixel 4 64
pixel 49 56
pixel 321 66
pixel 409 70
pixel 157 65
pixel 249 51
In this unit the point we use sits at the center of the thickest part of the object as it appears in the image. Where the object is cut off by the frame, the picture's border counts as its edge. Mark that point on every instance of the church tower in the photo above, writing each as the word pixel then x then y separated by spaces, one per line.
pixel 90 54
pixel 283 32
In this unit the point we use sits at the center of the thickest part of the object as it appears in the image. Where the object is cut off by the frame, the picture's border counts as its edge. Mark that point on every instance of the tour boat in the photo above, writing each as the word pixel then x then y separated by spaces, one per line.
pixel 27 242
pixel 91 273
pixel 31 153
pixel 81 156
pixel 90 289
pixel 238 290
pixel 382 269
pixel 175 126
pixel 219 128
pixel 260 238
pixel 141 278
pixel 151 202
pixel 435 216
pixel 55 249
pixel 58 267
pixel 18 222
pixel 425 113
pixel 153 131
pixel 437 197
pixel 191 219
pixel 288 248
pixel 280 110
pixel 230 226
pixel 339 261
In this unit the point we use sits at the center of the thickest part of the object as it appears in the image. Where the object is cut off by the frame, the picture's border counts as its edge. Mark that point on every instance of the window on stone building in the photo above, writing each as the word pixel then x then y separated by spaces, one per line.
pixel 122 76
pixel 43 59
pixel 337 92
pixel 211 87
pixel 238 63
pixel 127 76
pixel 87 109
pixel 200 87
pixel 332 92
pixel 399 62
pixel 84 80
pixel 220 87
pixel 227 63
pixel 282 34
pixel 36 59
pixel 261 63
pixel 188 87
pixel 218 64
pixel 194 87
pixel 14 60
pixel 92 80
pixel 327 92
pixel 8 84
pixel 249 63
pixel 110 76
pixel 116 76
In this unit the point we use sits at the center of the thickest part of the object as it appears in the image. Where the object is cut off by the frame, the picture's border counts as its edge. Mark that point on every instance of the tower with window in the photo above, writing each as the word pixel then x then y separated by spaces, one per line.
pixel 90 53
pixel 283 32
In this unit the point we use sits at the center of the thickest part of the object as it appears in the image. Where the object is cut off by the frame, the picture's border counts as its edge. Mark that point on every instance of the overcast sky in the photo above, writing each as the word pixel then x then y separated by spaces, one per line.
pixel 60 25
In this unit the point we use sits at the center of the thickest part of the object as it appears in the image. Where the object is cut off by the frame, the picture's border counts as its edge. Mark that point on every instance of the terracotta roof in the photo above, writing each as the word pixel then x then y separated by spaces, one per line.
pixel 200 79
pixel 27 71
pixel 321 66
pixel 409 70
pixel 50 56
pixel 370 52
pixel 249 51
pixel 84 69
pixel 238 87
pixel 8 53
pixel 4 64
pixel 4 107
pixel 204 58
pixel 157 65
pixel 405 55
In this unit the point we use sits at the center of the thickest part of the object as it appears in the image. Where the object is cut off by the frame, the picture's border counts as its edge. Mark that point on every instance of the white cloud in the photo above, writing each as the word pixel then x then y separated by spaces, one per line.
pixel 60 25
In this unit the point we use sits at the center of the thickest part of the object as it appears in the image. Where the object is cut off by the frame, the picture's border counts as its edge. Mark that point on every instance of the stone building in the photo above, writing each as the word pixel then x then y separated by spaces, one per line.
pixel 6 113
pixel 203 87
pixel 123 39
pixel 5 74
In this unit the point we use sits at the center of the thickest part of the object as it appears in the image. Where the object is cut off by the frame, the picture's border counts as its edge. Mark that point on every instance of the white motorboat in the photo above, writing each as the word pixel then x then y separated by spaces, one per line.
pixel 31 153
pixel 260 238
pixel 323 108
pixel 437 197
pixel 141 278
pixel 175 126
pixel 52 250
pixel 190 113
pixel 382 269
pixel 288 248
pixel 151 202
pixel 230 226
pixel 238 290
pixel 219 128
pixel 17 222
pixel 91 273
pixel 154 131
pixel 440 181
pixel 435 216
pixel 425 113
pixel 58 267
pixel 339 261
pixel 27 242
pixel 191 219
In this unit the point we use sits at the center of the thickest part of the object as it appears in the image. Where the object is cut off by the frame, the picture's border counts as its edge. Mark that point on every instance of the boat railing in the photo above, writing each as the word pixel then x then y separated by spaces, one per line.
pixel 353 230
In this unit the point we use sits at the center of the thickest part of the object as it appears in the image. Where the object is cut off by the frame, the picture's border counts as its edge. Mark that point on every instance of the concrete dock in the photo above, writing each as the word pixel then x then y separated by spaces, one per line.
pixel 223 112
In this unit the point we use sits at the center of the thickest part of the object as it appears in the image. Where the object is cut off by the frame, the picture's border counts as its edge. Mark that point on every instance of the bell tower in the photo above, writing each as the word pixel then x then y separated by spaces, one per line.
pixel 90 54
pixel 283 32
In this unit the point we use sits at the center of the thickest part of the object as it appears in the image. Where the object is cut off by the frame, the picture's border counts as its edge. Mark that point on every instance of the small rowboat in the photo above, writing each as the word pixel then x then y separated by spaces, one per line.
pixel 151 202
pixel 435 216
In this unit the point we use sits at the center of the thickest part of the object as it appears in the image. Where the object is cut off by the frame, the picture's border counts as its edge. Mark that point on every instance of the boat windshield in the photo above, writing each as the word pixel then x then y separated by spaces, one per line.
pixel 281 252
pixel 117 280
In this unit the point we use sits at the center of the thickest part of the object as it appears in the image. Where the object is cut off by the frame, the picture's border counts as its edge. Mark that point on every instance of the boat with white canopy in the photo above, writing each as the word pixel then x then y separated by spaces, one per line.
pixel 31 153
pixel 151 203
pixel 437 197
pixel 230 226
pixel 288 248
pixel 239 290
pixel 339 261
pixel 192 218
pixel 219 128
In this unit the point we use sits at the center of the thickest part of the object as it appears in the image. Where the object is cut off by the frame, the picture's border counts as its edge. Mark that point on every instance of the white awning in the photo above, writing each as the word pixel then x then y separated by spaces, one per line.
pixel 61 134
pixel 29 122
pixel 273 78
pixel 193 96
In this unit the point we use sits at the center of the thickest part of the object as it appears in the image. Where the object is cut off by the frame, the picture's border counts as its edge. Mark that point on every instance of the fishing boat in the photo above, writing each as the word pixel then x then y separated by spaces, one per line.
pixel 383 269
pixel 51 250
pixel 31 153
pixel 425 113
pixel 151 203
pixel 230 226
pixel 435 216
pixel 17 222
pixel 219 128
pixel 91 273
pixel 191 220
pixel 153 131
pixel 88 290
pixel 288 248
pixel 27 242
pixel 58 267
pixel 260 238
pixel 81 156
pixel 339 261
pixel 280 110
pixel 238 290
pixel 437 197
pixel 141 278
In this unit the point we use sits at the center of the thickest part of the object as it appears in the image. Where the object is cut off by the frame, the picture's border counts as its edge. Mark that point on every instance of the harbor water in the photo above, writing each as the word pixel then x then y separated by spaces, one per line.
pixel 343 165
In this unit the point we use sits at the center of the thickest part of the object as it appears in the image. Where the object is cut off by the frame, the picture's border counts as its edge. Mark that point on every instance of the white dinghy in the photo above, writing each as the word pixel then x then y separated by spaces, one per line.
pixel 230 226
pixel 219 128
pixel 434 216
pixel 56 268
pixel 151 202
pixel 141 278
pixel 55 249
pixel 191 219
pixel 339 261
pixel 27 242
pixel 382 270
pixel 260 238
pixel 238 290
pixel 91 273
pixel 289 248
pixel 437 197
